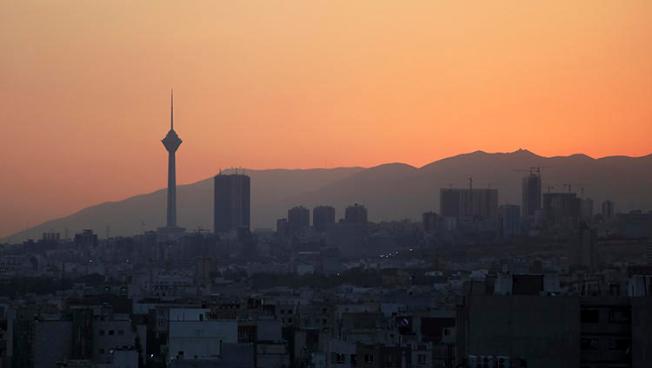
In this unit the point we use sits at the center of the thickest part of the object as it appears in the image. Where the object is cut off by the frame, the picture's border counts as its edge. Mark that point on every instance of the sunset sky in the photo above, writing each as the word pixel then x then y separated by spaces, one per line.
pixel 84 88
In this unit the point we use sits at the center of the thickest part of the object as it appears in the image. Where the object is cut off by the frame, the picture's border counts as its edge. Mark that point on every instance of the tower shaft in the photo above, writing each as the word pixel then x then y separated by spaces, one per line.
pixel 172 190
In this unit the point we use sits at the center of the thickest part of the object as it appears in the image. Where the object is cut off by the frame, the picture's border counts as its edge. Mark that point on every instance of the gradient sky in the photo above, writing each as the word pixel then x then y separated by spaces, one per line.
pixel 84 88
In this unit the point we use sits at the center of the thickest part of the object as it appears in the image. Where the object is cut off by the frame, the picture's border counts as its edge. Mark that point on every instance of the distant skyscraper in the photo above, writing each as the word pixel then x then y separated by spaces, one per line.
pixel 531 194
pixel 323 217
pixel 356 214
pixel 608 209
pixel 510 220
pixel 298 219
pixel 584 251
pixel 172 143
pixel 561 209
pixel 282 227
pixel 232 203
pixel 586 209
pixel 468 203
pixel 429 220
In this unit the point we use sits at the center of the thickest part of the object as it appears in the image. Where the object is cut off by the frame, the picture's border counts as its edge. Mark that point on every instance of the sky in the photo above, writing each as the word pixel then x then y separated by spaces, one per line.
pixel 84 88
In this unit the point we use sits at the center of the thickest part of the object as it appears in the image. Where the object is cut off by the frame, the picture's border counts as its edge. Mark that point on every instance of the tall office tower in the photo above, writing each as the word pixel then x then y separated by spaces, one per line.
pixel 510 220
pixel 356 214
pixel 531 194
pixel 298 219
pixel 608 209
pixel 584 252
pixel 171 142
pixel 561 209
pixel 468 203
pixel 231 203
pixel 429 220
pixel 323 217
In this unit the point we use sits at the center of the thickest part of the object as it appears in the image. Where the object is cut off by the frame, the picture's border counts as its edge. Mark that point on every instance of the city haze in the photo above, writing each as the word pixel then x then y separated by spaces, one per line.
pixel 84 89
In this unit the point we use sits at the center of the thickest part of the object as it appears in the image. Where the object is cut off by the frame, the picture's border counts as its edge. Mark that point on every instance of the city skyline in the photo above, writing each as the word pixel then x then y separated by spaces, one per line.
pixel 355 84
pixel 362 184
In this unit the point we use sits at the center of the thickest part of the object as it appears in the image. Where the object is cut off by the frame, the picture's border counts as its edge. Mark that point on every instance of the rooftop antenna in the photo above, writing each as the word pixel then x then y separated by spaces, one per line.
pixel 171 109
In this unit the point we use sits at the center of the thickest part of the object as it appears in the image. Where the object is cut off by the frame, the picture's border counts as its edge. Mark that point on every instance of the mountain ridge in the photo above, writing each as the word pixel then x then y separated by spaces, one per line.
pixel 391 191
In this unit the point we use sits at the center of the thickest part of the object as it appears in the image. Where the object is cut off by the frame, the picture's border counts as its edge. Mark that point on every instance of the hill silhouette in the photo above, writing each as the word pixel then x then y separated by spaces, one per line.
pixel 391 191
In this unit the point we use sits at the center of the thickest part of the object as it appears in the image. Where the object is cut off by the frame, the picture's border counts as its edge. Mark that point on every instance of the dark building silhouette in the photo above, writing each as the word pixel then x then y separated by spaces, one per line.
pixel 356 214
pixel 561 209
pixel 608 209
pixel 323 217
pixel 282 227
pixel 469 203
pixel 586 209
pixel 510 220
pixel 531 194
pixel 86 239
pixel 172 143
pixel 232 203
pixel 584 252
pixel 298 219
pixel 429 220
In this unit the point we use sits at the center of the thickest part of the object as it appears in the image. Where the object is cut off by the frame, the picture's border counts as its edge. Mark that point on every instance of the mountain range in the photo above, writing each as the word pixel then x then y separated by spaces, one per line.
pixel 392 191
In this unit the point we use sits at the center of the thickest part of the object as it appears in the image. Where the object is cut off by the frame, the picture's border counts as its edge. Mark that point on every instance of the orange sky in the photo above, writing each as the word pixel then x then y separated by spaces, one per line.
pixel 84 88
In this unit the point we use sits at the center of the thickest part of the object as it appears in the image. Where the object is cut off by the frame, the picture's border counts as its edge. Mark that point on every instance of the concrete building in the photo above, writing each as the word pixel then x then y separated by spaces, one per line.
pixel 584 250
pixel 561 209
pixel 429 221
pixel 554 331
pixel 298 219
pixel 232 203
pixel 586 209
pixel 193 336
pixel 608 209
pixel 468 204
pixel 356 214
pixel 509 220
pixel 323 217
pixel 531 194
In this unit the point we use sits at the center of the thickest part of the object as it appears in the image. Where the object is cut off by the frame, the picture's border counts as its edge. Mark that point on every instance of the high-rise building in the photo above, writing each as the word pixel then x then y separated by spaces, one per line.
pixel 282 227
pixel 586 209
pixel 561 209
pixel 429 220
pixel 171 142
pixel 232 203
pixel 323 217
pixel 298 219
pixel 510 220
pixel 584 251
pixel 356 214
pixel 531 194
pixel 608 209
pixel 468 203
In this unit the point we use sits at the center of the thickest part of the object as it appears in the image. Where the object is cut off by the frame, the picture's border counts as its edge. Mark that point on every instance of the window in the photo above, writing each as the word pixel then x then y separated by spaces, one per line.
pixel 354 360
pixel 121 332
pixel 111 332
pixel 590 316
pixel 101 332
pixel 590 344
pixel 620 315
pixel 368 358
pixel 339 358
pixel 421 359
pixel 619 344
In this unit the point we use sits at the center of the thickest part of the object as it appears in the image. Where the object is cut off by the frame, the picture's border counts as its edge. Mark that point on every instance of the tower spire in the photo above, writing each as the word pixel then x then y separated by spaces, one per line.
pixel 171 109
